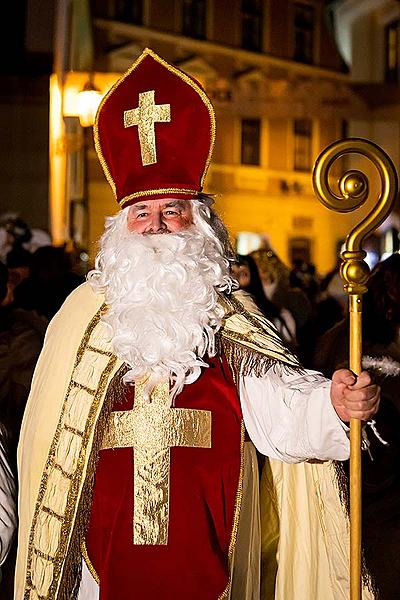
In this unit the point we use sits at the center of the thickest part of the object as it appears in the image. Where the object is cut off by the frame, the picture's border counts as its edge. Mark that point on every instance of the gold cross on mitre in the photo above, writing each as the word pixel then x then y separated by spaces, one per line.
pixel 152 428
pixel 144 116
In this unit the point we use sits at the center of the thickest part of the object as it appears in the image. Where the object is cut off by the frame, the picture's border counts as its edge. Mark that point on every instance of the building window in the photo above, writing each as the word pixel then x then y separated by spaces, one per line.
pixel 251 129
pixel 128 11
pixel 302 144
pixel 252 21
pixel 299 249
pixel 392 62
pixel 194 18
pixel 303 33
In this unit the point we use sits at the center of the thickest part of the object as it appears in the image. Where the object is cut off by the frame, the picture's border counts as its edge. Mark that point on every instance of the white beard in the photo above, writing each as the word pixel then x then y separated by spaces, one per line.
pixel 161 293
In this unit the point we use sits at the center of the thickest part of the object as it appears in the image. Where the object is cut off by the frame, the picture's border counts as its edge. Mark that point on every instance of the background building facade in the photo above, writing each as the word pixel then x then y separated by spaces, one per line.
pixel 286 77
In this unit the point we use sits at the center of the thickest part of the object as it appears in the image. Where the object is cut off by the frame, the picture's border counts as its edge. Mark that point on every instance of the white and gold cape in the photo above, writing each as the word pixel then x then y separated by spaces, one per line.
pixel 305 528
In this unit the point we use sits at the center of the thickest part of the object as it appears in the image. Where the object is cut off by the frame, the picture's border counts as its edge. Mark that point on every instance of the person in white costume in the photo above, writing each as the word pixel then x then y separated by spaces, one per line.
pixel 156 381
pixel 8 516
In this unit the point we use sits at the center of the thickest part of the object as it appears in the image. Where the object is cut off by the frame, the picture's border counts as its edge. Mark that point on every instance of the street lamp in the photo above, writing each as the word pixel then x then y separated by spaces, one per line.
pixel 87 103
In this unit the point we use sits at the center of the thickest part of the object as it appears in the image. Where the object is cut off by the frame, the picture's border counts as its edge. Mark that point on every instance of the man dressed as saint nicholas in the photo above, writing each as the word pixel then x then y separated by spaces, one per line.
pixel 138 470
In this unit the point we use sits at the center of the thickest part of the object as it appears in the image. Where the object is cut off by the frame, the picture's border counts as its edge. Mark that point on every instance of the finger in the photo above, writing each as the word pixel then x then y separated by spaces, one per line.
pixel 363 380
pixel 344 376
pixel 362 405
pixel 360 395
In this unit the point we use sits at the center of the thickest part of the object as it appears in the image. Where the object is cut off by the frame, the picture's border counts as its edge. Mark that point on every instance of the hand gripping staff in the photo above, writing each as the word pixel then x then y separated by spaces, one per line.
pixel 353 193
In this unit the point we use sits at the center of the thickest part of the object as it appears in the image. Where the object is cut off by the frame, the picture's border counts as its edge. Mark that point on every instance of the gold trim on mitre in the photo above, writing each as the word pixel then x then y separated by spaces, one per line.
pixel 144 193
pixel 187 79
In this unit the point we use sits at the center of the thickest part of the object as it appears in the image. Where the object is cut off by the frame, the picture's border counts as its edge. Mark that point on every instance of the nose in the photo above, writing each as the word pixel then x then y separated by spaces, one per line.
pixel 156 224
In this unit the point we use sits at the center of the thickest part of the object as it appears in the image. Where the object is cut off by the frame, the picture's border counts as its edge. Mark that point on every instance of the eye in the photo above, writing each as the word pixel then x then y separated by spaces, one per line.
pixel 141 215
pixel 171 211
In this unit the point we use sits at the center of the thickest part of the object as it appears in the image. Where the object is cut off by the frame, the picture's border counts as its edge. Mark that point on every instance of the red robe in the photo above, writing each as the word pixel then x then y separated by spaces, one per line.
pixel 204 484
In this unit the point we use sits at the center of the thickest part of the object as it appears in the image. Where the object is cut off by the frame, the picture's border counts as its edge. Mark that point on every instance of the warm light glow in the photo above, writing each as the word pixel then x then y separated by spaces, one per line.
pixel 57 164
pixel 87 104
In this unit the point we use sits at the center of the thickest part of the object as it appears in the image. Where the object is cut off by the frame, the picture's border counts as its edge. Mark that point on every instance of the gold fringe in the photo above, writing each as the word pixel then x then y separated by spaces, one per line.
pixel 341 481
pixel 245 361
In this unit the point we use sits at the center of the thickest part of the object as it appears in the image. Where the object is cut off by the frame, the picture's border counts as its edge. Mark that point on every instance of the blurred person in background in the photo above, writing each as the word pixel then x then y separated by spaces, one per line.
pixel 18 263
pixel 303 276
pixel 15 233
pixel 8 513
pixel 50 282
pixel 8 518
pixel 21 339
pixel 246 272
pixel 381 464
pixel 275 277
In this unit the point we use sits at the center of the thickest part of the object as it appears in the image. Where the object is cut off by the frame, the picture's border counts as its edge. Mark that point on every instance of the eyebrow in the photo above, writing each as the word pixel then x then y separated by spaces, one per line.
pixel 174 203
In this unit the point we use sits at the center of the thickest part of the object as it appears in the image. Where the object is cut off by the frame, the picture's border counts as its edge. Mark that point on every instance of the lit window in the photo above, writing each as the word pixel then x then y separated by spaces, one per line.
pixel 303 33
pixel 247 241
pixel 252 17
pixel 302 144
pixel 392 35
pixel 194 18
pixel 299 249
pixel 251 141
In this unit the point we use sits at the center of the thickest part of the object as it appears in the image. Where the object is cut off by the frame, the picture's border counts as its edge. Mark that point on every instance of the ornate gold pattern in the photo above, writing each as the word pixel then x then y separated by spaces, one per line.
pixel 44 578
pixel 151 428
pixel 146 193
pixel 145 116
pixel 187 80
pixel 73 430
pixel 251 344
pixel 48 510
pixel 85 556
pixel 238 504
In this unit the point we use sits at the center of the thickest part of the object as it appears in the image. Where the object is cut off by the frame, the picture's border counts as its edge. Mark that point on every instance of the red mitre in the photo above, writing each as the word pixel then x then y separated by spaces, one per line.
pixel 154 132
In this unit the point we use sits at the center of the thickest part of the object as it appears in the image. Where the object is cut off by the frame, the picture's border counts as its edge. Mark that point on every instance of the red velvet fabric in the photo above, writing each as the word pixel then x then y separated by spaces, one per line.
pixel 203 487
pixel 182 144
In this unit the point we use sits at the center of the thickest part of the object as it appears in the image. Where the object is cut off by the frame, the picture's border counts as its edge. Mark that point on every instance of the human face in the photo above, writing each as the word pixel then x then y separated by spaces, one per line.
pixel 166 215
pixel 242 274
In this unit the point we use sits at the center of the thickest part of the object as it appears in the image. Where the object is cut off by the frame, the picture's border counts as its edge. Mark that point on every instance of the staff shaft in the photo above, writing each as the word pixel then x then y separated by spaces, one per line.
pixel 355 313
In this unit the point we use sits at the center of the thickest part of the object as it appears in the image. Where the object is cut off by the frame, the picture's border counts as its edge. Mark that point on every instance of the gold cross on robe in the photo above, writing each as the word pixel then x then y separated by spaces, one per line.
pixel 151 428
pixel 144 116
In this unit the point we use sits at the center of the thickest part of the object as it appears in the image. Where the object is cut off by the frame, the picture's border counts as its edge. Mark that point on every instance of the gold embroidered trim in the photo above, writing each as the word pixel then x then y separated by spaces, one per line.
pixel 98 350
pixel 55 465
pixel 33 589
pixel 238 504
pixel 152 428
pixel 252 346
pixel 44 555
pixel 73 430
pixel 73 561
pixel 85 556
pixel 52 513
pixel 146 193
pixel 184 78
pixel 75 479
pixel 75 384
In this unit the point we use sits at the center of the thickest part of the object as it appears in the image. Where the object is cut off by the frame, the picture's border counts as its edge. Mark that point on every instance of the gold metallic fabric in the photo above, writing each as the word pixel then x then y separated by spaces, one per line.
pixel 145 116
pixel 151 428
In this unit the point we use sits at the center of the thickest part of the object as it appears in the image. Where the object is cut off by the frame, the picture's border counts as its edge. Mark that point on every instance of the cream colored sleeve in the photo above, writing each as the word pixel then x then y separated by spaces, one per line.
pixel 8 518
pixel 290 417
